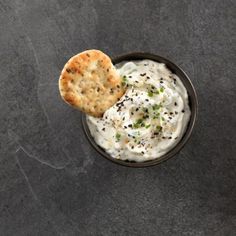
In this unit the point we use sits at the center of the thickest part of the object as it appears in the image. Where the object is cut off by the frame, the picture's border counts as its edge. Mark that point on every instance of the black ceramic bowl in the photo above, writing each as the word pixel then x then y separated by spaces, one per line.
pixel 193 103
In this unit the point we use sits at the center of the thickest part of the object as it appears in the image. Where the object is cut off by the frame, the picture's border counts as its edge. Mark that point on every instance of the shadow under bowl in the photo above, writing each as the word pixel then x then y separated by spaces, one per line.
pixel 193 103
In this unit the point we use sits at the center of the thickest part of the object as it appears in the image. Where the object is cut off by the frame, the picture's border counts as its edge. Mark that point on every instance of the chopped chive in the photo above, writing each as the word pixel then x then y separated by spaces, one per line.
pixel 158 128
pixel 150 94
pixel 139 121
pixel 118 136
pixel 156 106
pixel 162 89
pixel 124 81
pixel 147 126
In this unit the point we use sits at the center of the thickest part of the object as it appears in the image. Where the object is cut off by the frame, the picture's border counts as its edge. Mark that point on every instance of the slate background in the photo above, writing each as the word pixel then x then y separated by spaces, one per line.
pixel 52 182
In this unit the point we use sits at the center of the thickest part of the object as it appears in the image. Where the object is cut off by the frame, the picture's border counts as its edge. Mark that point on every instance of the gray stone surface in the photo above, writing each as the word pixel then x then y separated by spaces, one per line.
pixel 52 182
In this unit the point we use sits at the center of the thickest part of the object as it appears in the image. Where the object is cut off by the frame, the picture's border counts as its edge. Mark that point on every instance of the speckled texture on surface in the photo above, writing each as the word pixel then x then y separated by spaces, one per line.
pixel 52 182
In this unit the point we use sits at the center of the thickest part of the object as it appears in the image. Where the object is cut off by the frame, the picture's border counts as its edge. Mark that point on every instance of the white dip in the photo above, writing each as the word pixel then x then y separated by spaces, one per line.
pixel 151 117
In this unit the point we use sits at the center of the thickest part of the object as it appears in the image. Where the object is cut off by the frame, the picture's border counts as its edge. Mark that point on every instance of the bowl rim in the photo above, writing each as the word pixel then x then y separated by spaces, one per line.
pixel 193 103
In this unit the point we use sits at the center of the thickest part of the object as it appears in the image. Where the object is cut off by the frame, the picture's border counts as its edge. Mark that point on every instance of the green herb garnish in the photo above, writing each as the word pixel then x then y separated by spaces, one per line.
pixel 124 81
pixel 118 136
pixel 162 89
pixel 156 106
pixel 147 126
pixel 150 94
pixel 158 128
pixel 139 123
pixel 156 116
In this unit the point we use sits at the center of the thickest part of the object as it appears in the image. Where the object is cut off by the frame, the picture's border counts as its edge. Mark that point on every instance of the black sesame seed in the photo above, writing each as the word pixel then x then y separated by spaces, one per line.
pixel 130 76
pixel 132 147
pixel 148 77
pixel 132 113
pixel 123 118
pixel 170 138
pixel 183 111
pixel 142 152
pixel 175 103
pixel 103 129
pixel 171 113
pixel 136 109
pixel 143 74
pixel 130 125
pixel 176 112
pixel 161 78
pixel 147 100
pixel 161 82
pixel 170 117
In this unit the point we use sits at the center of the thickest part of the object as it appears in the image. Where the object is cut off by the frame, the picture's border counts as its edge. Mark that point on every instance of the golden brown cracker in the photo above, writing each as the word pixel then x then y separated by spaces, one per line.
pixel 90 82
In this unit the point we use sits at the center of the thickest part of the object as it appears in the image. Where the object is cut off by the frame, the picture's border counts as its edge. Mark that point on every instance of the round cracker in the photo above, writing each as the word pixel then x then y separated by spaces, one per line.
pixel 90 82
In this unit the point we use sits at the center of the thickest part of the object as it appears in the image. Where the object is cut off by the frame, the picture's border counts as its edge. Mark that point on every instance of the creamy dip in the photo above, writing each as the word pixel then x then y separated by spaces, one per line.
pixel 151 117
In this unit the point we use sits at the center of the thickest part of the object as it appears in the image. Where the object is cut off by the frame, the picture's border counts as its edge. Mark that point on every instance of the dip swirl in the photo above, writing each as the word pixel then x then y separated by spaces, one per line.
pixel 151 117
